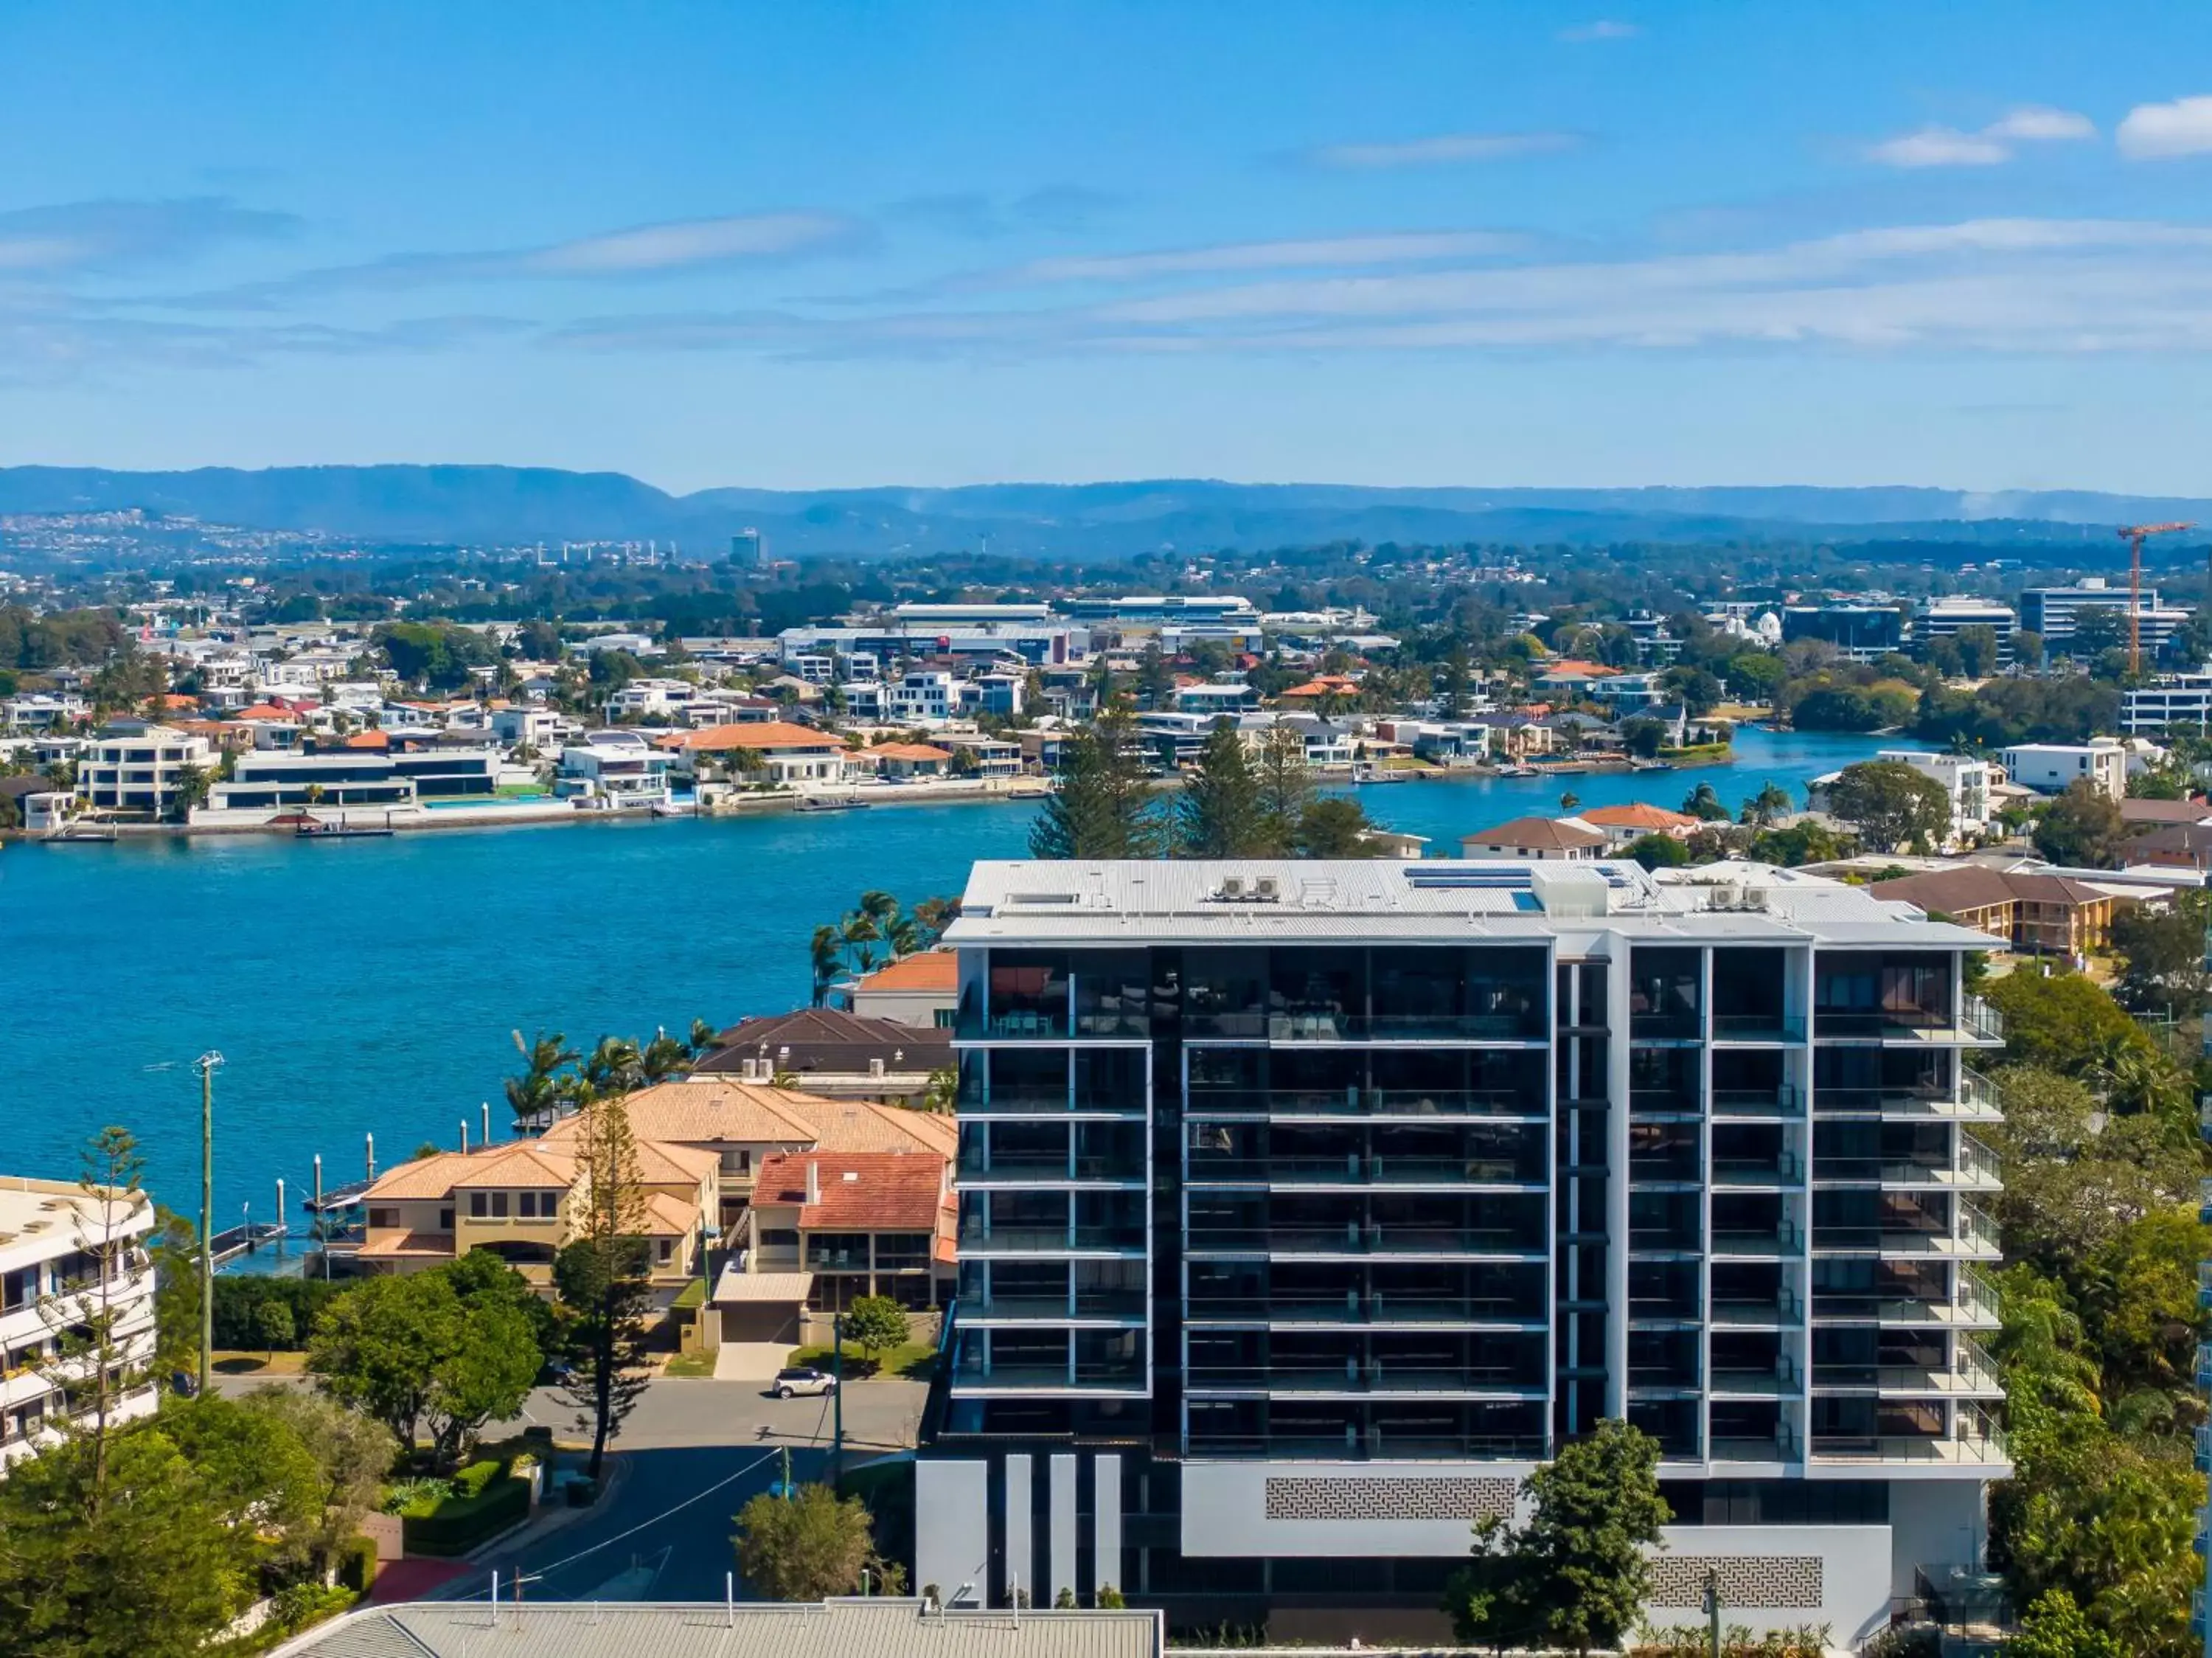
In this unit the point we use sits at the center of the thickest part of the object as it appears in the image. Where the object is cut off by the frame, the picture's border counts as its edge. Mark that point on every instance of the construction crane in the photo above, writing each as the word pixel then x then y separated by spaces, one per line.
pixel 2134 535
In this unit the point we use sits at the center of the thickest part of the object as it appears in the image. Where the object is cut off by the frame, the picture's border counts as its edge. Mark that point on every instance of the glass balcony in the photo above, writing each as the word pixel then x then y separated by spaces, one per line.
pixel 1780 1380
pixel 1782 1311
pixel 1758 1027
pixel 1781 1099
pixel 1782 1169
pixel 1327 1024
pixel 1353 1377
pixel 1033 1101
pixel 1974 1100
pixel 977 1165
pixel 1353 1310
pixel 1353 1169
pixel 1373 1447
pixel 1089 1305
pixel 1974 1439
pixel 1975 1168
pixel 1784 1238
pixel 1051 1241
pixel 1352 1239
pixel 1781 1446
pixel 1285 1104
pixel 1976 1021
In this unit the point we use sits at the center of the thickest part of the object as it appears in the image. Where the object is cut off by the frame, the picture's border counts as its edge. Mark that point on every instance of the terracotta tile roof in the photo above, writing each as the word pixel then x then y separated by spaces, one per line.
pixel 664 1162
pixel 534 1163
pixel 2156 812
pixel 367 740
pixel 703 1109
pixel 266 711
pixel 412 1245
pixel 758 733
pixel 1636 816
pixel 1576 665
pixel 909 751
pixel 1536 834
pixel 864 1125
pixel 859 1191
pixel 669 1218
pixel 925 970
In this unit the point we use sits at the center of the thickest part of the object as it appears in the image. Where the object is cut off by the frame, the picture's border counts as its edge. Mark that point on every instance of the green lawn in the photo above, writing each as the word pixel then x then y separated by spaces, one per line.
pixel 915 1361
pixel 690 1364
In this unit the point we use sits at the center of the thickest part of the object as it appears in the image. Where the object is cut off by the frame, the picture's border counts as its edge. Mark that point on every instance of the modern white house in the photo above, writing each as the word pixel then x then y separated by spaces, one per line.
pixel 65 1251
pixel 2051 768
pixel 647 698
pixel 1965 779
pixel 138 774
pixel 1305 1208
pixel 615 770
pixel 926 697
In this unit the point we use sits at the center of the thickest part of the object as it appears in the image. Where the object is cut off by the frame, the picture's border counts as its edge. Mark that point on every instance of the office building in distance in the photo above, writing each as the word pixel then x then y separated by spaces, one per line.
pixel 1305 1208
pixel 2055 612
pixel 1863 630
pixel 1948 618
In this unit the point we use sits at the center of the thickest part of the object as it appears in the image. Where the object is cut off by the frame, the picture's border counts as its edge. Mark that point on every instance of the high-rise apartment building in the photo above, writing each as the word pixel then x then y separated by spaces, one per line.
pixel 1305 1208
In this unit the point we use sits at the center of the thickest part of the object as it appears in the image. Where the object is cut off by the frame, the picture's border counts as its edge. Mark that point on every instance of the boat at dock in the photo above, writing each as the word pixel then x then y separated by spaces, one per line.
pixel 339 831
pixel 827 805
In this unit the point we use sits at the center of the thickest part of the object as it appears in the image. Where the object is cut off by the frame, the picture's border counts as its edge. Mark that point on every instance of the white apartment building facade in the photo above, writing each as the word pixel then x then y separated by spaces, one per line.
pixel 58 1241
pixel 2051 768
pixel 2170 699
pixel 1964 778
pixel 139 775
pixel 2054 613
pixel 1305 1208
pixel 1949 617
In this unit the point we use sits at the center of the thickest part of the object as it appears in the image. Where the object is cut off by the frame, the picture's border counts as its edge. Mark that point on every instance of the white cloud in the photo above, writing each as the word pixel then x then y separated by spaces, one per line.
pixel 1444 149
pixel 684 242
pixel 1407 248
pixel 1605 28
pixel 2157 132
pixel 1990 146
pixel 2041 124
pixel 1939 146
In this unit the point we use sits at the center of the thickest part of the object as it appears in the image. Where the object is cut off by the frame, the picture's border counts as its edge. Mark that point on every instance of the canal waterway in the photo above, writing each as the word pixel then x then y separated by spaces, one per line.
pixel 369 987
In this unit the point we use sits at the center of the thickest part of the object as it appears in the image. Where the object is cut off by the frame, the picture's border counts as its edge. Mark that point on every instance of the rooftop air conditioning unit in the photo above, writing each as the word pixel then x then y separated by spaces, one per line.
pixel 1232 886
pixel 1264 886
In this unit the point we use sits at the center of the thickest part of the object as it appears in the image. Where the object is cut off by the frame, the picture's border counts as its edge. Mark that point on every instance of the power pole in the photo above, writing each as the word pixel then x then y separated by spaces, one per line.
pixel 1713 1611
pixel 207 1064
pixel 836 1397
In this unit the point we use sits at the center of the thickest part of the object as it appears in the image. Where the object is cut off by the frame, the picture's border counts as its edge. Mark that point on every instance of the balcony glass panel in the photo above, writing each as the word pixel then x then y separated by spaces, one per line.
pixel 1748 994
pixel 1026 994
pixel 1664 993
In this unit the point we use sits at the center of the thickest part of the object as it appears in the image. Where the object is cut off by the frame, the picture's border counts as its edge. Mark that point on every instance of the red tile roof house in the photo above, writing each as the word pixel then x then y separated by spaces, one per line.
pixel 861 1223
pixel 1623 824
pixel 909 759
pixel 1549 839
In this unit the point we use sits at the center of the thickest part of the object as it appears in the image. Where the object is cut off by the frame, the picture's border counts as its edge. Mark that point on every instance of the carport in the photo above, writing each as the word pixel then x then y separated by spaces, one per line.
pixel 758 1315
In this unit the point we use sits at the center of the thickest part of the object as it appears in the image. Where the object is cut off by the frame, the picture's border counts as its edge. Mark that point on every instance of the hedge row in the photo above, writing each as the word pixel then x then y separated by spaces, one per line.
pixel 459 1523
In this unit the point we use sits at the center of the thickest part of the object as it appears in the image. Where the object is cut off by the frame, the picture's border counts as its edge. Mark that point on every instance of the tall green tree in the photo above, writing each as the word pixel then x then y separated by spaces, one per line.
pixel 1334 826
pixel 602 1276
pixel 156 1576
pixel 536 1095
pixel 2083 828
pixel 806 1546
pixel 352 1456
pixel 1285 786
pixel 1220 813
pixel 1102 806
pixel 95 1359
pixel 1578 1572
pixel 1890 806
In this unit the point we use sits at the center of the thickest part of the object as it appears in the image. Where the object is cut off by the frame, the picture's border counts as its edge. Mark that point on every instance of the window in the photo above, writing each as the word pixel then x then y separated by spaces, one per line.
pixel 667 1249
pixel 479 1204
pixel 779 1237
pixel 377 1217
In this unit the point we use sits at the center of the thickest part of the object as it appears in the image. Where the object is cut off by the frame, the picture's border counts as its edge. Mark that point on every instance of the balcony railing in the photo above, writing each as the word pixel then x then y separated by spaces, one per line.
pixel 1758 1027
pixel 1781 1099
pixel 1054 1239
pixel 1086 1304
pixel 1975 1100
pixel 1024 1166
pixel 1340 1025
pixel 1975 1236
pixel 974 1374
pixel 1031 1102
pixel 1353 1169
pixel 1356 1310
pixel 1377 1446
pixel 1783 1169
pixel 1782 1446
pixel 1783 1309
pixel 1975 1439
pixel 1353 1377
pixel 1786 1238
pixel 1355 1239
pixel 1975 1021
pixel 1285 1103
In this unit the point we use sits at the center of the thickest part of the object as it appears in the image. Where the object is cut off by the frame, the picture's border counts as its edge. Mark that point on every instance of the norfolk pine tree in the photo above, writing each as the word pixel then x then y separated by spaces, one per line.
pixel 602 1277
pixel 1221 814
pixel 1102 806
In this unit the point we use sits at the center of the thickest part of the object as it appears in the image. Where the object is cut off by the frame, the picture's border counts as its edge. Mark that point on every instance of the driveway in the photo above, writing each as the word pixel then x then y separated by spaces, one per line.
pixel 676 1412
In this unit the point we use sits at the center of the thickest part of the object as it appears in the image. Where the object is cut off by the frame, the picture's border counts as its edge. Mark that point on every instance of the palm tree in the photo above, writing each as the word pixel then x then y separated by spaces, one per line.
pixel 1569 801
pixel 702 1038
pixel 534 1096
pixel 859 936
pixel 942 1096
pixel 616 1067
pixel 934 915
pixel 827 944
pixel 663 1056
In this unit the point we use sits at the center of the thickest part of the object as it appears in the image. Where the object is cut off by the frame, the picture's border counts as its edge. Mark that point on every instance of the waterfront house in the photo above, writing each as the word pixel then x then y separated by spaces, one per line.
pixel 994 757
pixel 829 1051
pixel 136 773
pixel 783 752
pixel 858 1223
pixel 905 760
pixel 1545 839
pixel 921 990
pixel 524 1200
pixel 2051 768
pixel 57 1243
pixel 614 770
pixel 1622 824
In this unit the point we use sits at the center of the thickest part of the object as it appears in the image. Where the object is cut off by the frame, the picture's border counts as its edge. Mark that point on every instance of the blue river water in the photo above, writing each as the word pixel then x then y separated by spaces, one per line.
pixel 369 987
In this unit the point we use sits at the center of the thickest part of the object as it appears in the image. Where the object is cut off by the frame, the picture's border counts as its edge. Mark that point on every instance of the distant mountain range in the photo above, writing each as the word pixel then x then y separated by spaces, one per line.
pixel 510 505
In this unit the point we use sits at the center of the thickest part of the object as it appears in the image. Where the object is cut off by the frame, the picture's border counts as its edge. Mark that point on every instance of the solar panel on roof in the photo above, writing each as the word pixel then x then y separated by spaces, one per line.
pixel 1480 880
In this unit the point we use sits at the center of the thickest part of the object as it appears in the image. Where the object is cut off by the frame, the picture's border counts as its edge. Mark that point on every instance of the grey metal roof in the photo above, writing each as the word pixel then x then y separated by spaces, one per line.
pixel 880 1628
pixel 1254 900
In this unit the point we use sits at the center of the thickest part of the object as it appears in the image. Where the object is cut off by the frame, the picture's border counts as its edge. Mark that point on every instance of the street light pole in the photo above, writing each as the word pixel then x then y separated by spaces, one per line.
pixel 207 1064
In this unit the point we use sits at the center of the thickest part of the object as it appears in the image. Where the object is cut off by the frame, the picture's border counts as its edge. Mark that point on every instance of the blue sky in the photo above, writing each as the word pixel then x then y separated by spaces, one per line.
pixel 843 244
